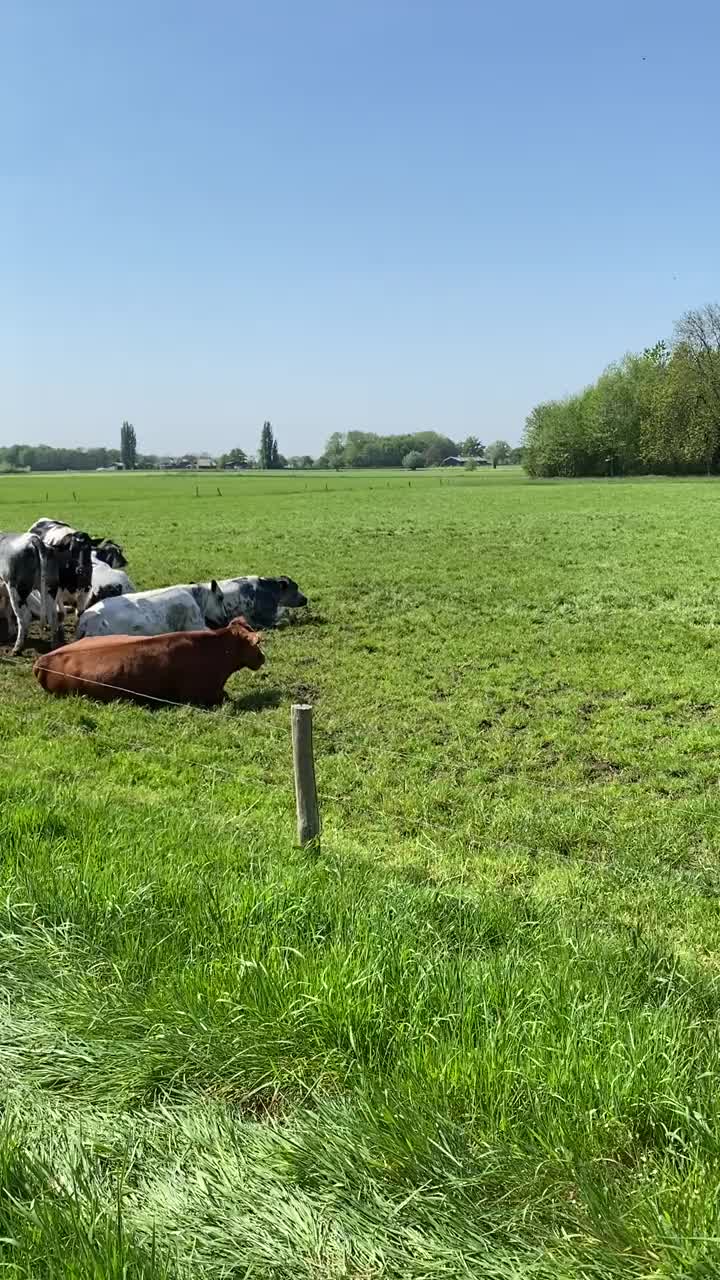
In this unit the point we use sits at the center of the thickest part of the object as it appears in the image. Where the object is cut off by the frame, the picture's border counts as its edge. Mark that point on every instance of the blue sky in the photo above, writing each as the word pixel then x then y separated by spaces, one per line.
pixel 342 213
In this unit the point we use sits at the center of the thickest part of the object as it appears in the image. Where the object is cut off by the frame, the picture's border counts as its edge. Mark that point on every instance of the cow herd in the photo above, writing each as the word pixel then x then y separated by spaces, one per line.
pixel 53 567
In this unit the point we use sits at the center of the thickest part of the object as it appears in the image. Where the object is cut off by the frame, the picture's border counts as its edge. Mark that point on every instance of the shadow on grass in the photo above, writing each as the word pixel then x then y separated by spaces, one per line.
pixel 260 700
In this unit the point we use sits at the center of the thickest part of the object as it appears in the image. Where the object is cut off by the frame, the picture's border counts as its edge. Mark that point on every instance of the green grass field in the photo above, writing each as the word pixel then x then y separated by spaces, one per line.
pixel 477 1034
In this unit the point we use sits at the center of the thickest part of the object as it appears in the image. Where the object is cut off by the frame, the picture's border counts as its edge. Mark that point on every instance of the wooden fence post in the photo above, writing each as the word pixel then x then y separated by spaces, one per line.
pixel 306 805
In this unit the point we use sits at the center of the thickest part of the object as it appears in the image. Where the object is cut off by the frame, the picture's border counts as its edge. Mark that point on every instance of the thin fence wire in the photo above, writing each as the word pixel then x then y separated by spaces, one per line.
pixel 102 684
pixel 431 825
pixel 345 808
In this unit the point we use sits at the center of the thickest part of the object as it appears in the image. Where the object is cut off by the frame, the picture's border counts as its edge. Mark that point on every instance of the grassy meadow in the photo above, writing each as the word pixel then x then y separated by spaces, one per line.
pixel 477 1034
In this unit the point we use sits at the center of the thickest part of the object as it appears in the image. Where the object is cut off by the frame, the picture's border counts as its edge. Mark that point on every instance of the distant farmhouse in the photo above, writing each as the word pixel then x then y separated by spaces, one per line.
pixel 462 462
pixel 188 462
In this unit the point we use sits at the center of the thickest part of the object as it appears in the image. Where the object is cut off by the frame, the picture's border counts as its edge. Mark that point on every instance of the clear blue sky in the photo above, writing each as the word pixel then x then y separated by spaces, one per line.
pixel 380 214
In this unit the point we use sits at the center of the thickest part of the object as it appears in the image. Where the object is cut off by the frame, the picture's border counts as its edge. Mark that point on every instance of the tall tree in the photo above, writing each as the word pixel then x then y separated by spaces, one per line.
pixel 413 460
pixel 128 446
pixel 498 452
pixel 265 452
pixel 438 450
pixel 274 455
pixel 697 336
pixel 471 448
pixel 335 451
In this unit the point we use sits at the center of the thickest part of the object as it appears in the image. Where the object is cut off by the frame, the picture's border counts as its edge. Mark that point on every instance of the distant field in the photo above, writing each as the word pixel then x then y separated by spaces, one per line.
pixel 478 1035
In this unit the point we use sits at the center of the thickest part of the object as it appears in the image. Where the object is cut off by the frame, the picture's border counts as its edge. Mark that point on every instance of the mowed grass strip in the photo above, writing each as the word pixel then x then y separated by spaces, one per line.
pixel 477 1035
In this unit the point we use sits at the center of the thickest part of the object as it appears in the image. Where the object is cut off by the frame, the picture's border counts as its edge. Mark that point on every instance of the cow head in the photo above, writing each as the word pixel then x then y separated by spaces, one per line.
pixel 81 558
pixel 73 553
pixel 286 592
pixel 247 644
pixel 109 552
pixel 213 606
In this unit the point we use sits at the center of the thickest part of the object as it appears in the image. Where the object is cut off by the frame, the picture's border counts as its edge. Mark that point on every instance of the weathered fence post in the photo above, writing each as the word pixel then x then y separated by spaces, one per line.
pixel 74 496
pixel 197 492
pixel 306 805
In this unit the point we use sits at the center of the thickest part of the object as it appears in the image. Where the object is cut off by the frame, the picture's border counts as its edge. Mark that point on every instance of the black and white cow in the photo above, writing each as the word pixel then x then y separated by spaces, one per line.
pixel 84 564
pixel 108 581
pixel 108 552
pixel 262 601
pixel 195 606
pixel 27 565
pixel 107 567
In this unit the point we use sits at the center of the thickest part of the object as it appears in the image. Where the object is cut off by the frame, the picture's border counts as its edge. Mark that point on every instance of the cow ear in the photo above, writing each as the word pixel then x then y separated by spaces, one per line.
pixel 214 588
pixel 96 542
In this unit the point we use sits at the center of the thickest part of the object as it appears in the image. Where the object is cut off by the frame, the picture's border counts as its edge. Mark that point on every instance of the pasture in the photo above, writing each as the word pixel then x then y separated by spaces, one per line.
pixel 477 1034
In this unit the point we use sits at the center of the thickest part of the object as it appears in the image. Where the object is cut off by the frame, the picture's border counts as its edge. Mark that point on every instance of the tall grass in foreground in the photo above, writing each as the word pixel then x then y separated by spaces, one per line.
pixel 397 1080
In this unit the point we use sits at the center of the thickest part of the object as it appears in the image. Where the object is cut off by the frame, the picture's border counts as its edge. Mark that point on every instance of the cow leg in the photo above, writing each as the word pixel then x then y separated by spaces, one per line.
pixel 35 605
pixel 82 600
pixel 55 618
pixel 21 614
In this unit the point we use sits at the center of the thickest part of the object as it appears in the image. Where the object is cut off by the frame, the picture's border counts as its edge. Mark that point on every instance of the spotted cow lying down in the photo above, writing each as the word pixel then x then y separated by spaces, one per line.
pixel 153 613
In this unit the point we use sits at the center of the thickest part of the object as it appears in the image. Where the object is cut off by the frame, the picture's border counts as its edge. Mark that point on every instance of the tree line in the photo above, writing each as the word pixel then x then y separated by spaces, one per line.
pixel 352 449
pixel 44 457
pixel 412 450
pixel 368 449
pixel 658 411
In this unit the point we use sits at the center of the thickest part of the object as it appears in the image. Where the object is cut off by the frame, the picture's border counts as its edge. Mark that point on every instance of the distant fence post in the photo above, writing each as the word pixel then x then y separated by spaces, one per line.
pixel 306 805
pixel 197 492
pixel 74 496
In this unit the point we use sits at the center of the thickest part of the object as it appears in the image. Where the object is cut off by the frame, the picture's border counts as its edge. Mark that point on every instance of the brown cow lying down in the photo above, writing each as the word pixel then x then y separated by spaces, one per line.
pixel 183 666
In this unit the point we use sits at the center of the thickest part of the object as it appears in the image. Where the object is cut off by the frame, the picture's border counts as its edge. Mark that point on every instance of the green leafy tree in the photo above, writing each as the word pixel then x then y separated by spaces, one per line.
pixel 413 460
pixel 438 449
pixel 128 446
pixel 335 451
pixel 471 448
pixel 658 411
pixel 498 453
